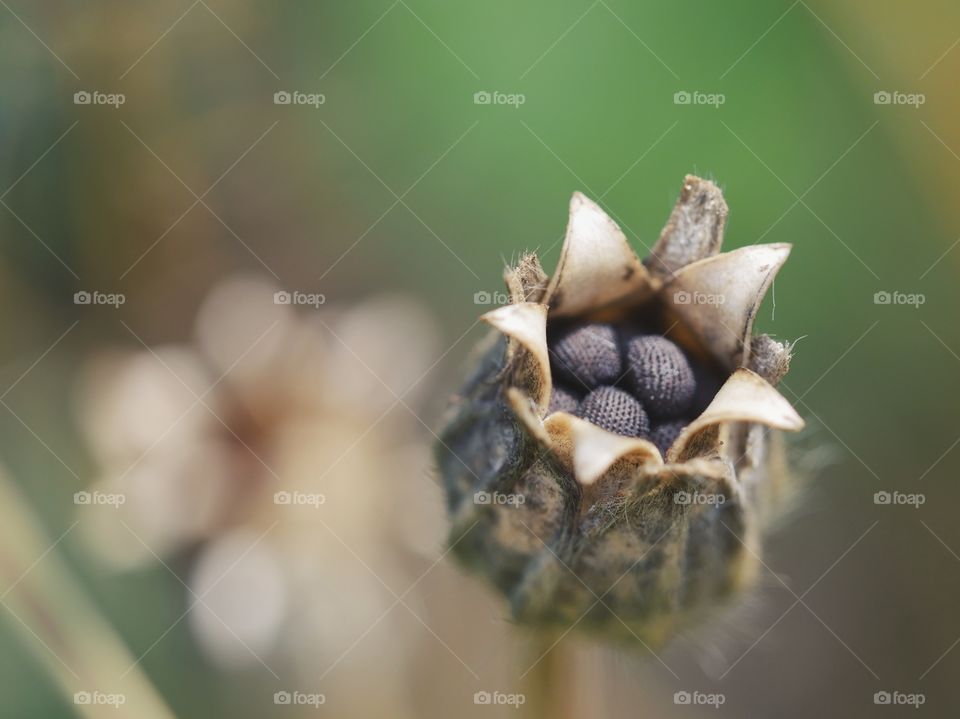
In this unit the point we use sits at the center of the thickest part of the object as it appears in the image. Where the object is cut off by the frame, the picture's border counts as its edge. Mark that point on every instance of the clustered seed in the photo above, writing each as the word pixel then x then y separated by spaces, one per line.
pixel 630 382
pixel 661 375
pixel 563 401
pixel 615 411
pixel 588 356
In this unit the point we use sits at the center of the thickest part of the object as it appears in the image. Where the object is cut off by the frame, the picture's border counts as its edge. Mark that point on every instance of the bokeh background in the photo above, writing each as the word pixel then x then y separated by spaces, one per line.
pixel 399 199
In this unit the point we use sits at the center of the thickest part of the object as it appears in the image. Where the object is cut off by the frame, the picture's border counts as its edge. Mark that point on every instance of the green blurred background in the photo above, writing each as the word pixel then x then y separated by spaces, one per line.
pixel 399 182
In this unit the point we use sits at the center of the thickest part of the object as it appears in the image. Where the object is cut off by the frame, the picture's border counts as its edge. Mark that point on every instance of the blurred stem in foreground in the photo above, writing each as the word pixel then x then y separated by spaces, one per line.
pixel 61 625
pixel 566 681
pixel 551 683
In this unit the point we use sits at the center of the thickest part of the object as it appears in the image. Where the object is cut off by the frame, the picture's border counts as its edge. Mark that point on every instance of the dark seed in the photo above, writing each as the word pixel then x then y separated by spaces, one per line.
pixel 665 434
pixel 616 411
pixel 588 356
pixel 563 401
pixel 661 375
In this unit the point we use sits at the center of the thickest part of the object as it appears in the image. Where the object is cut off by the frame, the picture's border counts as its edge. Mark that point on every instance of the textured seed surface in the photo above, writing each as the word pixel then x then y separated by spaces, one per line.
pixel 665 433
pixel 563 400
pixel 616 411
pixel 661 375
pixel 588 356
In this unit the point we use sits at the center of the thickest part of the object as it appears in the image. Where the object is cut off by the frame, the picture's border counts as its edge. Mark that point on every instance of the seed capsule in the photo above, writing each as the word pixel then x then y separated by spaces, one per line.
pixel 607 509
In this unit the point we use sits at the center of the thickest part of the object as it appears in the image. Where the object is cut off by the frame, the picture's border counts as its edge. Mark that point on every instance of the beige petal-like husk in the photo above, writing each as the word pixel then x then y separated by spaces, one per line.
pixel 744 397
pixel 718 297
pixel 591 451
pixel 694 230
pixel 597 266
pixel 525 324
pixel 526 410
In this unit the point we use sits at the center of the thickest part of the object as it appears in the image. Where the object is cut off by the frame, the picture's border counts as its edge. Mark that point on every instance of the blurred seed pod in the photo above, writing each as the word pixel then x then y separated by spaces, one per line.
pixel 578 525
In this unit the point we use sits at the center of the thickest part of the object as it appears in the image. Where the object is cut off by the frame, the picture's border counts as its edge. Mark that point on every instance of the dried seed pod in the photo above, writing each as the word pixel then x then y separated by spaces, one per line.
pixel 619 534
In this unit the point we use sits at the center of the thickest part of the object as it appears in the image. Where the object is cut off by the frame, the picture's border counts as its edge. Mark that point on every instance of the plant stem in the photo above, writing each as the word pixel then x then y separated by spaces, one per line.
pixel 60 624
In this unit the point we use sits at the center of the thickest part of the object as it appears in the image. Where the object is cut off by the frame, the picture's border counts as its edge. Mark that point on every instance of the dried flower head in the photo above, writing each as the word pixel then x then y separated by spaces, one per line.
pixel 248 459
pixel 631 408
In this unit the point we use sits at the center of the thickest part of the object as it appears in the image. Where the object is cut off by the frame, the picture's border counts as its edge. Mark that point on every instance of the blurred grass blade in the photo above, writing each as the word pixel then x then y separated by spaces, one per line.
pixel 61 625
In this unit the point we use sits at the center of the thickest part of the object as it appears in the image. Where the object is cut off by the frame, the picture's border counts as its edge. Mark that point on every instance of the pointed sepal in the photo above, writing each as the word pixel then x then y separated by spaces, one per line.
pixel 597 266
pixel 744 397
pixel 694 230
pixel 590 450
pixel 718 297
pixel 525 325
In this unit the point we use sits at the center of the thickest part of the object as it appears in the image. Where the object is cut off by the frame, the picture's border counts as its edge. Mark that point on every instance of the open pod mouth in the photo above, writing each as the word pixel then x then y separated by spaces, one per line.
pixel 665 368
